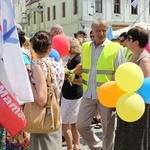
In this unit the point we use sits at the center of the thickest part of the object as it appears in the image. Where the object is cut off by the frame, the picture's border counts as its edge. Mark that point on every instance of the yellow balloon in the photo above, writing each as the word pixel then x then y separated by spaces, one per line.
pixel 130 107
pixel 129 77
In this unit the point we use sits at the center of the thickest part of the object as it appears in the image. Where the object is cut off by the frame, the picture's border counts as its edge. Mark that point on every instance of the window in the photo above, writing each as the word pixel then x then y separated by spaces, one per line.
pixel 98 6
pixel 41 16
pixel 75 7
pixel 28 19
pixel 134 10
pixel 117 6
pixel 48 13
pixel 63 9
pixel 34 17
pixel 54 12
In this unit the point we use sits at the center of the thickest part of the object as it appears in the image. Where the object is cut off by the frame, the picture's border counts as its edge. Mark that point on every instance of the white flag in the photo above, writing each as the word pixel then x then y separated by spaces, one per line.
pixel 134 3
pixel 13 71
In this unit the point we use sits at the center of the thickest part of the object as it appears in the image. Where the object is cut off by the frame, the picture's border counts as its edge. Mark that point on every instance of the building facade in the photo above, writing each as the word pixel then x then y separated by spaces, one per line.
pixel 75 15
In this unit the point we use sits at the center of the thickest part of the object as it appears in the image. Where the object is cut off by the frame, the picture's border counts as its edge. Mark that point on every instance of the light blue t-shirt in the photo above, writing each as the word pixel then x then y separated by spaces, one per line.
pixel 26 59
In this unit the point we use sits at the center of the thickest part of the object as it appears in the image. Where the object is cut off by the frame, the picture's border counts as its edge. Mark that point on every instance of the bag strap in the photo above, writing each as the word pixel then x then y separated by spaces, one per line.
pixel 49 77
pixel 50 89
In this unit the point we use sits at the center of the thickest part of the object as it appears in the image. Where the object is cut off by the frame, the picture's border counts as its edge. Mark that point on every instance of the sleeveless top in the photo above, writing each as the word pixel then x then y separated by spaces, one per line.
pixel 134 135
pixel 144 54
pixel 57 70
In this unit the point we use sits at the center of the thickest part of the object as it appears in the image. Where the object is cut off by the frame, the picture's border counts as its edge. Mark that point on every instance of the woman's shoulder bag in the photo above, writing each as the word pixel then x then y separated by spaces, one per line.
pixel 43 119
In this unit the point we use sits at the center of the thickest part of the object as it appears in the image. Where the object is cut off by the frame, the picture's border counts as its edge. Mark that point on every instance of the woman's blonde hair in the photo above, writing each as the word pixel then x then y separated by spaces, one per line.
pixel 27 43
pixel 75 46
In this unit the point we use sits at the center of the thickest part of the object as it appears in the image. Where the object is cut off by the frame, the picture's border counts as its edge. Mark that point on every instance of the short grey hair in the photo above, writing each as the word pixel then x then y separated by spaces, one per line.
pixel 99 21
pixel 57 27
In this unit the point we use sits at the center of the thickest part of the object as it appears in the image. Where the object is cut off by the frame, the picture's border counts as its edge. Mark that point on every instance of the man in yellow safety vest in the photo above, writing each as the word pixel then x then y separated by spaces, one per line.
pixel 100 58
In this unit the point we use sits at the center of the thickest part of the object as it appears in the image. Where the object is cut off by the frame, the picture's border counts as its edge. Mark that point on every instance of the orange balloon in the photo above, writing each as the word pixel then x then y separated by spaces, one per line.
pixel 109 93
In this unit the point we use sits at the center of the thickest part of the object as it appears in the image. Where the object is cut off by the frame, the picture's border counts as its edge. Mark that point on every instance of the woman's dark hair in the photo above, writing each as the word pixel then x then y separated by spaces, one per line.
pixel 21 35
pixel 41 41
pixel 140 35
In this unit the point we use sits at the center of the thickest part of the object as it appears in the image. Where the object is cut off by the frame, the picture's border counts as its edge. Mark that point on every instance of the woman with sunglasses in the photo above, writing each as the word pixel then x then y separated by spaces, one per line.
pixel 136 135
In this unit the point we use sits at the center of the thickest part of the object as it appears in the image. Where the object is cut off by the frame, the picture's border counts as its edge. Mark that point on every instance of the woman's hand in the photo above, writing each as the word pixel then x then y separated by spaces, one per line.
pixel 77 70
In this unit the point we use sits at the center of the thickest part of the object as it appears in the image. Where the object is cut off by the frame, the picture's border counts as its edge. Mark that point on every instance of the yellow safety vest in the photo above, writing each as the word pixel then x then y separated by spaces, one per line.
pixel 105 64
pixel 127 53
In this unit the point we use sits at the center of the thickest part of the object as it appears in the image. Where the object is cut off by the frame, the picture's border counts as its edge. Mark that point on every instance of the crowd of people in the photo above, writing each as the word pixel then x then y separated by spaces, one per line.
pixel 93 62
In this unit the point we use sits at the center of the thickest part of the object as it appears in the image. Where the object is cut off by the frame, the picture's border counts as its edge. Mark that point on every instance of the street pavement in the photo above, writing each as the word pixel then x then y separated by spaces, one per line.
pixel 83 144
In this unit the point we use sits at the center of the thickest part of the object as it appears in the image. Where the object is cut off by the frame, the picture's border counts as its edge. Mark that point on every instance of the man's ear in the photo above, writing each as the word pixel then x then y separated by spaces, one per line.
pixel 57 32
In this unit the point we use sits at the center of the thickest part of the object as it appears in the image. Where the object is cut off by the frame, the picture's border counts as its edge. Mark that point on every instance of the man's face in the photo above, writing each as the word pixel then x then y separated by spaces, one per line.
pixel 100 33
pixel 80 36
pixel 92 37
pixel 53 32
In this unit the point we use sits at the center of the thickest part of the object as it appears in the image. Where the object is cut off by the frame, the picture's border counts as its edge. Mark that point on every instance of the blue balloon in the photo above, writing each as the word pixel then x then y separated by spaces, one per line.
pixel 54 54
pixel 144 90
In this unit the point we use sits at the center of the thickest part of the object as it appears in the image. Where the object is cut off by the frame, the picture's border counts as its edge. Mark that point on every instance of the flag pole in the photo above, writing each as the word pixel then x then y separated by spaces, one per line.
pixel 139 15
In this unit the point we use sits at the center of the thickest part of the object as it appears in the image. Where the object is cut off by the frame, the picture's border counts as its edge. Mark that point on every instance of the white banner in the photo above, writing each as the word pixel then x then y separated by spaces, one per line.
pixel 134 3
pixel 13 71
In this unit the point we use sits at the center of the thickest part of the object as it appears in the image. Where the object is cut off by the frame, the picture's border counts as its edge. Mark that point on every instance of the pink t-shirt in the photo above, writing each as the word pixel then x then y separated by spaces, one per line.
pixel 148 47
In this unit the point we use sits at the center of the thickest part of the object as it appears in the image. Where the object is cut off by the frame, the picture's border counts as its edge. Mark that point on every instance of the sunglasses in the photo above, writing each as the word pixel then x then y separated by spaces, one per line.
pixel 121 40
pixel 129 38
